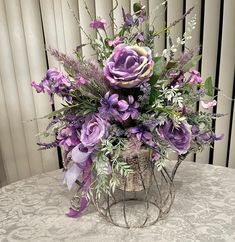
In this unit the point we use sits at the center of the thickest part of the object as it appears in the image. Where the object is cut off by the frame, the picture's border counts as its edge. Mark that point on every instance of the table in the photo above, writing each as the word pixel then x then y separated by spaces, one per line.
pixel 204 210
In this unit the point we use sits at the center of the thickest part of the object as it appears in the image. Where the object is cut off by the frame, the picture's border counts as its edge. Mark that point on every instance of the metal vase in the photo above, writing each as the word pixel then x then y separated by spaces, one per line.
pixel 141 198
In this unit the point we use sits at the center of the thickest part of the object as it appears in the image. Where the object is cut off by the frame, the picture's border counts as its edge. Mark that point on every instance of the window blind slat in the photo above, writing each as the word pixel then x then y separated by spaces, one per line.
pixel 227 63
pixel 37 68
pixel 21 68
pixel 118 11
pixel 6 144
pixel 85 20
pixel 175 12
pixel 12 102
pixel 210 45
pixel 102 9
pixel 71 28
pixel 231 161
pixel 157 17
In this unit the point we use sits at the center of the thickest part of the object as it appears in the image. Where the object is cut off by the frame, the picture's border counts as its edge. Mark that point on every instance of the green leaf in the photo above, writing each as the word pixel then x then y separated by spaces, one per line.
pixel 52 114
pixel 208 85
pixel 158 66
pixel 137 7
pixel 153 95
pixel 192 63
pixel 171 64
pixel 157 70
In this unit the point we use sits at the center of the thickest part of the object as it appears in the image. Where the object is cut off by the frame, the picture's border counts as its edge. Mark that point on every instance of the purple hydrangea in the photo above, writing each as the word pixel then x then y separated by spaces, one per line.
pixel 55 82
pixel 93 130
pixel 129 66
pixel 68 138
pixel 178 138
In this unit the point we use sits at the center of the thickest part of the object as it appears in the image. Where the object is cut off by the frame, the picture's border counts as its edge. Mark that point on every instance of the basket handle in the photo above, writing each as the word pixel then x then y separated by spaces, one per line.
pixel 180 159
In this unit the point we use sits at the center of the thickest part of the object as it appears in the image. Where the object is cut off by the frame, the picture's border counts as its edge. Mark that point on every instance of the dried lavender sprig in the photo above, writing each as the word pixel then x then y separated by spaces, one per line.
pixel 188 55
pixel 87 69
pixel 65 60
pixel 175 22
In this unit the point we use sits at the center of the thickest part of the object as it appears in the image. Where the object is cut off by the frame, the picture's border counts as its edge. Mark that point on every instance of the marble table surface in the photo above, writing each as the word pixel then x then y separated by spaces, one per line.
pixel 204 210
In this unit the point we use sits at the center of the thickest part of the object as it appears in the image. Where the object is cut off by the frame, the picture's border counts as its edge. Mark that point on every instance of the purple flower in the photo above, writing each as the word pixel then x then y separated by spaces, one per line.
pixel 176 77
pixel 80 81
pixel 68 138
pixel 142 133
pixel 129 66
pixel 209 104
pixel 195 130
pixel 55 82
pixel 178 138
pixel 128 109
pixel 207 137
pixel 120 110
pixel 195 77
pixel 145 89
pixel 140 37
pixel 93 130
pixel 109 106
pixel 98 24
pixel 118 40
pixel 155 156
pixel 130 21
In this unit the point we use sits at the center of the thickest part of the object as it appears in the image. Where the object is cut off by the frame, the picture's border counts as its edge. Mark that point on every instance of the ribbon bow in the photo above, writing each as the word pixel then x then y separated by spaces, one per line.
pixel 82 163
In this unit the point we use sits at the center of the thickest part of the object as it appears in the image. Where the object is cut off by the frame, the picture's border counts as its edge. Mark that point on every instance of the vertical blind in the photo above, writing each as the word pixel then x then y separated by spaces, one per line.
pixel 27 27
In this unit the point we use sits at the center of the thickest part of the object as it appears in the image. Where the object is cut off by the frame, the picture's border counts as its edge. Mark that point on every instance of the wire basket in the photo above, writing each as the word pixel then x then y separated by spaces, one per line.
pixel 142 198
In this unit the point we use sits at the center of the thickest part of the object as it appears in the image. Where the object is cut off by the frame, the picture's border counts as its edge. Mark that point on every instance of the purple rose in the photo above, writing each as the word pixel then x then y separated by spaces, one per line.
pixel 129 66
pixel 98 24
pixel 178 138
pixel 93 130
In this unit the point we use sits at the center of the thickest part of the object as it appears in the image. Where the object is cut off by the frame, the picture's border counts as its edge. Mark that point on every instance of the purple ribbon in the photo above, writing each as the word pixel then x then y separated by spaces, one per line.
pixel 79 163
pixel 82 163
pixel 84 200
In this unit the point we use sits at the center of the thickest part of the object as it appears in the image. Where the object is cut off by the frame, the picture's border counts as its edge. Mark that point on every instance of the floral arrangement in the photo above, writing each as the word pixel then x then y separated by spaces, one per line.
pixel 128 98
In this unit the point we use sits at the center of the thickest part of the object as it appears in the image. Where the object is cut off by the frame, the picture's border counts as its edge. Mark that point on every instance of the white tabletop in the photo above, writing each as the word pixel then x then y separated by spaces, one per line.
pixel 204 210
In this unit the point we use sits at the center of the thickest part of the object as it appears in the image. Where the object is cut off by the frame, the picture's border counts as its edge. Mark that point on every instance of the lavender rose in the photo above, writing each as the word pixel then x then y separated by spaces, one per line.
pixel 93 130
pixel 178 138
pixel 129 66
